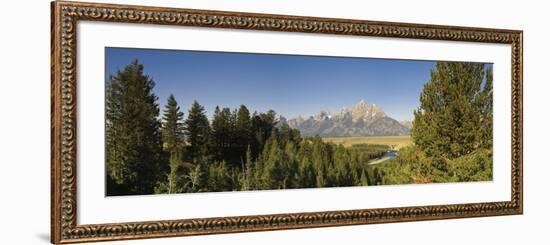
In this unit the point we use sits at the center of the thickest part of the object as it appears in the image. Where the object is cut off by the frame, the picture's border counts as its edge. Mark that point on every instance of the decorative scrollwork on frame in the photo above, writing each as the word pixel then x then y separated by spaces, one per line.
pixel 67 14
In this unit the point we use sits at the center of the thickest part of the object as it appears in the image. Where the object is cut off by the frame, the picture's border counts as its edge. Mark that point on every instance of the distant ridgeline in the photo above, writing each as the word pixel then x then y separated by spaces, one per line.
pixel 362 120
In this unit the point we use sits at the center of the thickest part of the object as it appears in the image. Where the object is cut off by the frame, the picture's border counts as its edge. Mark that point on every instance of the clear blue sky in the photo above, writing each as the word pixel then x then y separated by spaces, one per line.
pixel 291 85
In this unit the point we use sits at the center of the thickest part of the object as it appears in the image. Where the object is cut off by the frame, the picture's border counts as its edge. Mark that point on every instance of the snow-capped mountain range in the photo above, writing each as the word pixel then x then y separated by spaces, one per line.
pixel 361 120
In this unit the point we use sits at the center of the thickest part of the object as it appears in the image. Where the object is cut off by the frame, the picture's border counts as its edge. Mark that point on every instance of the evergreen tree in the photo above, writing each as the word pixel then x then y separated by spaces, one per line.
pixel 243 132
pixel 172 127
pixel 134 157
pixel 343 174
pixel 197 132
pixel 221 131
pixel 172 132
pixel 233 153
pixel 307 174
pixel 262 127
pixel 455 113
pixel 308 177
pixel 272 158
pixel 290 166
pixel 288 134
pixel 321 160
pixel 226 135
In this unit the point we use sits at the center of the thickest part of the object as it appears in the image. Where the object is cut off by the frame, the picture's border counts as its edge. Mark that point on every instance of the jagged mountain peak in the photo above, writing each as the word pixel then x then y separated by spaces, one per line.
pixel 361 120
pixel 322 115
pixel 366 112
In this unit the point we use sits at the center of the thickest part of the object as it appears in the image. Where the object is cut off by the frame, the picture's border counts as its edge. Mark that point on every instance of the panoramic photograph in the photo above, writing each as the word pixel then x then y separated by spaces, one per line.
pixel 180 121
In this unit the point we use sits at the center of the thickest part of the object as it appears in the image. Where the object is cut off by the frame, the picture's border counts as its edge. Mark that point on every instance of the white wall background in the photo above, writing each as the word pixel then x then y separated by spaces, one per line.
pixel 25 120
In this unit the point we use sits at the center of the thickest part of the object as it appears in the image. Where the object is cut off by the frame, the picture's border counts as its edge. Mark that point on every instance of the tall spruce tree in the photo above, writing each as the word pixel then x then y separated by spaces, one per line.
pixel 172 126
pixel 172 133
pixel 135 161
pixel 243 131
pixel 198 132
pixel 455 113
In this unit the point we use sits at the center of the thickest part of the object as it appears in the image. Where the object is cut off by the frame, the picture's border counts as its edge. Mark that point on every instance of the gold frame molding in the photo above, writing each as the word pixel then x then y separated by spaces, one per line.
pixel 66 15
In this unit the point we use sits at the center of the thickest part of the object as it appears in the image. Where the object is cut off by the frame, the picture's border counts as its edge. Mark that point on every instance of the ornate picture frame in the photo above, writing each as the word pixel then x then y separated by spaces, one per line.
pixel 64 188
